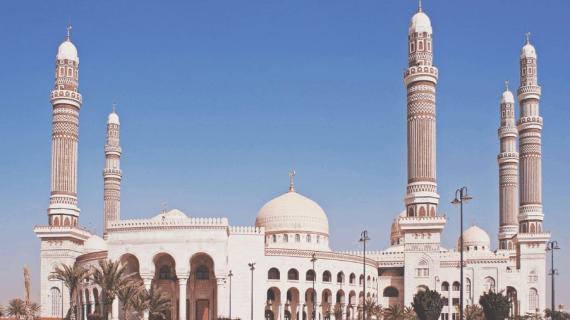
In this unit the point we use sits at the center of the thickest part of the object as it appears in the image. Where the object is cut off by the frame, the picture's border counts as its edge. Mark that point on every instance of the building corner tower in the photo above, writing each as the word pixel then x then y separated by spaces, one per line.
pixel 61 239
pixel 112 173
pixel 508 159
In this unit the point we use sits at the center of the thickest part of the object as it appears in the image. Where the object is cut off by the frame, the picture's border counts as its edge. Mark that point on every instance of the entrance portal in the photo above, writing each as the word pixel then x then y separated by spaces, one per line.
pixel 202 309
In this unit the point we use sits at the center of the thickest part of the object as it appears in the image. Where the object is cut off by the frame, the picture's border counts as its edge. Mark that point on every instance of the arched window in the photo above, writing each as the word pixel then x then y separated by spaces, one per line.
pixel 445 286
pixel 339 297
pixel 422 288
pixel 287 315
pixel 165 273
pixel 55 295
pixel 273 274
pixel 368 282
pixel 456 286
pixel 274 238
pixel 308 238
pixel 420 45
pixel 340 277
pixel 289 295
pixel 411 212
pixel 326 276
pixel 202 273
pixel 297 238
pixel 270 295
pixel 292 275
pixel 422 212
pixel 412 48
pixel 285 238
pixel 361 279
pixel 422 270
pixel 310 276
pixel 533 277
pixel 269 315
pixel 67 222
pixel 352 278
pixel 429 46
pixel 432 212
pixel 56 221
pixel 490 284
pixel 468 288
pixel 532 299
pixel 532 228
pixel 390 292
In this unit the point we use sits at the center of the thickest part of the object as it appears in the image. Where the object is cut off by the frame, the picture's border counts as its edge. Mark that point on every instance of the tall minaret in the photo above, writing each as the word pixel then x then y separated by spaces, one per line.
pixel 508 160
pixel 420 79
pixel 66 102
pixel 112 173
pixel 529 126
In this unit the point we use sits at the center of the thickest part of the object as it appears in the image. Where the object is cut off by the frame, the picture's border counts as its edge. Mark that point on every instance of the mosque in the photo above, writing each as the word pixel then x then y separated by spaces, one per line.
pixel 271 265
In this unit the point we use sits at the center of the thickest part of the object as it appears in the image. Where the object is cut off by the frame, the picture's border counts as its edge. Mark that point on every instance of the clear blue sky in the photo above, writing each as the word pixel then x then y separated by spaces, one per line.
pixel 220 99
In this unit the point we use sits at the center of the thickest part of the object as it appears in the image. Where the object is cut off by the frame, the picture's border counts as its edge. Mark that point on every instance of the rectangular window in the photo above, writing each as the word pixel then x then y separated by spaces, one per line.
pixel 455 316
pixel 422 272
pixel 455 301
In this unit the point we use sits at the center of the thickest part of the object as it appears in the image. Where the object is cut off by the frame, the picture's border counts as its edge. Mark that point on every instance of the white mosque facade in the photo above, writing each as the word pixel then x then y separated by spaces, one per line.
pixel 203 263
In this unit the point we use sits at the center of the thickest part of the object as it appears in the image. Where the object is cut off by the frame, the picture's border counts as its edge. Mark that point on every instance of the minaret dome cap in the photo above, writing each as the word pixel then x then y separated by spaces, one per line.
pixel 420 23
pixel 507 97
pixel 113 118
pixel 528 51
pixel 67 51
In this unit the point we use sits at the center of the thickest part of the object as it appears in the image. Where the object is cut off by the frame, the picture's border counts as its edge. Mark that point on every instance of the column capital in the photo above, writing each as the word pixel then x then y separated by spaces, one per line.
pixel 183 280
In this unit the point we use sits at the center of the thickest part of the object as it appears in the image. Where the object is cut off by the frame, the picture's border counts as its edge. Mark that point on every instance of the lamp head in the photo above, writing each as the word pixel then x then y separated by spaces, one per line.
pixel 466 198
pixel 548 249
pixel 455 202
pixel 556 247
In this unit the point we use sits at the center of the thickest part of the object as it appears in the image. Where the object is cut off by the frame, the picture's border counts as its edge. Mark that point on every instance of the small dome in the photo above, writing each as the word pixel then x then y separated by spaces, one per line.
pixel 95 244
pixel 113 119
pixel 395 229
pixel 292 212
pixel 172 214
pixel 420 23
pixel 474 237
pixel 507 97
pixel 528 51
pixel 67 51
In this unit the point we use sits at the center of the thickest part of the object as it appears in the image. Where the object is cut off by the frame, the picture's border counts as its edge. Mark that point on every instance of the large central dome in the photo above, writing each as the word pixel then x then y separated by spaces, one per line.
pixel 293 212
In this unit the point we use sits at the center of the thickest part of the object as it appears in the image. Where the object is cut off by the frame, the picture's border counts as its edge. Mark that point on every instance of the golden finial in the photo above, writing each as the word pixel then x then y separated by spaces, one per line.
pixel 420 6
pixel 68 29
pixel 473 221
pixel 527 37
pixel 507 85
pixel 291 186
pixel 114 104
pixel 164 206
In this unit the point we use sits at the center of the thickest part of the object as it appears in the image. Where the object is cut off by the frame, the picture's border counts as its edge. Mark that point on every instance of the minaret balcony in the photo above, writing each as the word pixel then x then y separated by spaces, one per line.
pixel 528 92
pixel 508 157
pixel 526 121
pixel 420 73
pixel 507 131
pixel 65 97
pixel 423 223
pixel 117 150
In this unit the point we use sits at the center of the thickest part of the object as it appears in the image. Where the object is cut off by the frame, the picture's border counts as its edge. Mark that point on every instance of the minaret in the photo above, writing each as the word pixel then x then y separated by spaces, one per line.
pixel 529 126
pixel 420 79
pixel 66 102
pixel 112 173
pixel 508 160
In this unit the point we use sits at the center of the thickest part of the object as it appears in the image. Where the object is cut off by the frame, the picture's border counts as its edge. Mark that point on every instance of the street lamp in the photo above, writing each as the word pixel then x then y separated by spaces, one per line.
pixel 251 267
pixel 230 275
pixel 551 246
pixel 463 197
pixel 363 239
pixel 314 276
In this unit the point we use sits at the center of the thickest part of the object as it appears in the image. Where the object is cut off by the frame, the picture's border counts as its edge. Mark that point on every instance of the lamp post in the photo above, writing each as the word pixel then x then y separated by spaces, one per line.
pixel 460 197
pixel 363 239
pixel 551 246
pixel 313 293
pixel 230 275
pixel 251 267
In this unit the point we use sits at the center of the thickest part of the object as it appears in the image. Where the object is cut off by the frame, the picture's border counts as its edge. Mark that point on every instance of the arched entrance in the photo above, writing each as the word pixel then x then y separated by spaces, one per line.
pixel 269 315
pixel 202 289
pixel 512 295
pixel 165 279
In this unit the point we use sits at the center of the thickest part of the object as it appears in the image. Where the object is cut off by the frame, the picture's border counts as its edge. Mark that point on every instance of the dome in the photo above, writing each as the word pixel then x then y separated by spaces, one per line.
pixel 395 229
pixel 474 237
pixel 67 51
pixel 292 212
pixel 95 244
pixel 420 23
pixel 172 214
pixel 113 119
pixel 507 97
pixel 528 51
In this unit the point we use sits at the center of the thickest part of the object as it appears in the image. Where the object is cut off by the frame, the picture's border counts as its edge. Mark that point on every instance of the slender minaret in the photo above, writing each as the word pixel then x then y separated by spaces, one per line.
pixel 508 160
pixel 112 173
pixel 420 79
pixel 529 127
pixel 66 102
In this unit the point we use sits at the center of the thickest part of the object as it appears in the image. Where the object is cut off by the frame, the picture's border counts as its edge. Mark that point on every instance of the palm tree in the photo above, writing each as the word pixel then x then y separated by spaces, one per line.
pixel 128 294
pixel 2 312
pixel 338 313
pixel 112 278
pixel 496 306
pixel 140 303
pixel 72 276
pixel 397 312
pixel 474 312
pixel 158 303
pixel 370 306
pixel 16 308
pixel 33 310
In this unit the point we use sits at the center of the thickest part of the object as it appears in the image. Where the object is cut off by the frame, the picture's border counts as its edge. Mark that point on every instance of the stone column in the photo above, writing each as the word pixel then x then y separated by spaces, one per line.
pixel 182 311
pixel 85 311
pixel 147 282
pixel 222 302
pixel 115 309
